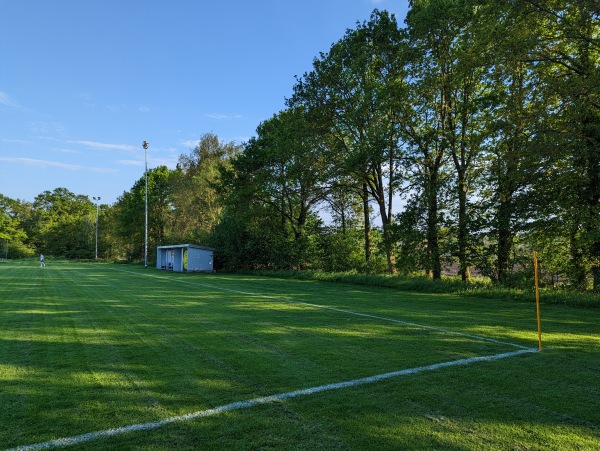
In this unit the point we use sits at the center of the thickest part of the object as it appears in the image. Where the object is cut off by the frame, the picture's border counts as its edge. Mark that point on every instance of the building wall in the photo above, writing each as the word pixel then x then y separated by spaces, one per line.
pixel 200 260
pixel 174 258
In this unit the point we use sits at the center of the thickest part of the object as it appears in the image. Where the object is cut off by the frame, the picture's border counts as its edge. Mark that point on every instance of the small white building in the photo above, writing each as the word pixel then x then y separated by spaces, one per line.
pixel 184 257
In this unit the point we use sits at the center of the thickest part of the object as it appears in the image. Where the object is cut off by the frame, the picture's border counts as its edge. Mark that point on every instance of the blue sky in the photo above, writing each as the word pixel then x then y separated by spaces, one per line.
pixel 83 83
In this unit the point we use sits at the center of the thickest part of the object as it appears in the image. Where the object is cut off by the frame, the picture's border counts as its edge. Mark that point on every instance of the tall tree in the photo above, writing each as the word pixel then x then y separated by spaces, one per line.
pixel 281 175
pixel 567 56
pixel 513 161
pixel 451 98
pixel 12 234
pixel 548 53
pixel 469 119
pixel 289 163
pixel 62 224
pixel 426 128
pixel 355 91
pixel 196 200
pixel 130 213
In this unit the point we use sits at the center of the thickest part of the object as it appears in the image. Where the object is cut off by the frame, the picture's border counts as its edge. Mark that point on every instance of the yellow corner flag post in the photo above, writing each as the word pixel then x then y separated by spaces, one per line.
pixel 537 298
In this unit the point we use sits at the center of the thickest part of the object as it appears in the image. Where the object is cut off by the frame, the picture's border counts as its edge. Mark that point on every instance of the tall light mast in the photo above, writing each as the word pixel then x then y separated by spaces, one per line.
pixel 145 145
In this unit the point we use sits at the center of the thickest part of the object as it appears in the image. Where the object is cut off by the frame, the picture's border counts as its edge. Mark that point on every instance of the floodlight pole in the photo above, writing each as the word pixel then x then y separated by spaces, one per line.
pixel 145 146
pixel 537 297
pixel 97 199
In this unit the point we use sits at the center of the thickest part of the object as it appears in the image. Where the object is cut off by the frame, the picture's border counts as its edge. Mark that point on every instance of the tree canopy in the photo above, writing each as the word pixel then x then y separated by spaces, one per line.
pixel 453 144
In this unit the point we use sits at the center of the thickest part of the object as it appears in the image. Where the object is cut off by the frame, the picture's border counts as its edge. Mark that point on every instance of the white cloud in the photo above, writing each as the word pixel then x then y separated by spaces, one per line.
pixel 87 99
pixel 45 129
pixel 6 100
pixel 168 162
pixel 106 146
pixel 42 163
pixel 190 143
pixel 102 170
pixel 56 164
pixel 69 151
pixel 15 141
pixel 223 116
pixel 131 162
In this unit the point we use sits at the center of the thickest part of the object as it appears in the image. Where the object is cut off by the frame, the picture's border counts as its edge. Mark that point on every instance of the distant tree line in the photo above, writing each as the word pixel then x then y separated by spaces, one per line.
pixel 457 143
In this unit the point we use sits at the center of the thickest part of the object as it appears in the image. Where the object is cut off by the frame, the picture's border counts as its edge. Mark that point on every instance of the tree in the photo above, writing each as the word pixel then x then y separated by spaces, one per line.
pixel 354 93
pixel 196 200
pixel 428 123
pixel 12 234
pixel 568 59
pixel 130 213
pixel 62 224
pixel 549 123
pixel 469 121
pixel 281 173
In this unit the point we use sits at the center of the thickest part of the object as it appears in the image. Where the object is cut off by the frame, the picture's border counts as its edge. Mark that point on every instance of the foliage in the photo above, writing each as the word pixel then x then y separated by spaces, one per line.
pixel 62 223
pixel 353 93
pixel 339 250
pixel 13 236
pixel 196 203
pixel 244 241
pixel 456 143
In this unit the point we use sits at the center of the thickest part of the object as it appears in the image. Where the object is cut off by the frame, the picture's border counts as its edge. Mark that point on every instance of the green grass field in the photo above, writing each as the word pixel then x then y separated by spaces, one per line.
pixel 86 349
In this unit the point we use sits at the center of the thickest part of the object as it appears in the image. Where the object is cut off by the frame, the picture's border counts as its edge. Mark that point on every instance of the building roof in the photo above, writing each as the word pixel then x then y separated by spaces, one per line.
pixel 190 246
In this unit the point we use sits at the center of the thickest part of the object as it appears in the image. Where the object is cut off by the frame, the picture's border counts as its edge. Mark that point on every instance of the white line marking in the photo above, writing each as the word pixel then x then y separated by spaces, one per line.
pixel 79 439
pixel 335 309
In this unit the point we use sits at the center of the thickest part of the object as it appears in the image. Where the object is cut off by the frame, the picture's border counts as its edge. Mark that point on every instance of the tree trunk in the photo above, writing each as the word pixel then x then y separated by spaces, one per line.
pixel 386 222
pixel 595 253
pixel 365 199
pixel 433 250
pixel 578 273
pixel 463 233
pixel 391 258
pixel 592 196
pixel 504 239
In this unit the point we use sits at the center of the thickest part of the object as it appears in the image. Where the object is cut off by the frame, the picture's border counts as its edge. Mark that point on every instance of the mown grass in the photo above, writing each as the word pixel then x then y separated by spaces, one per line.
pixel 88 347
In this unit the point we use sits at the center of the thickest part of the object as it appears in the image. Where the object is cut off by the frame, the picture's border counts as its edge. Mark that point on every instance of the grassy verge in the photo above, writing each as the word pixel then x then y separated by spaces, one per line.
pixel 89 347
pixel 478 288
